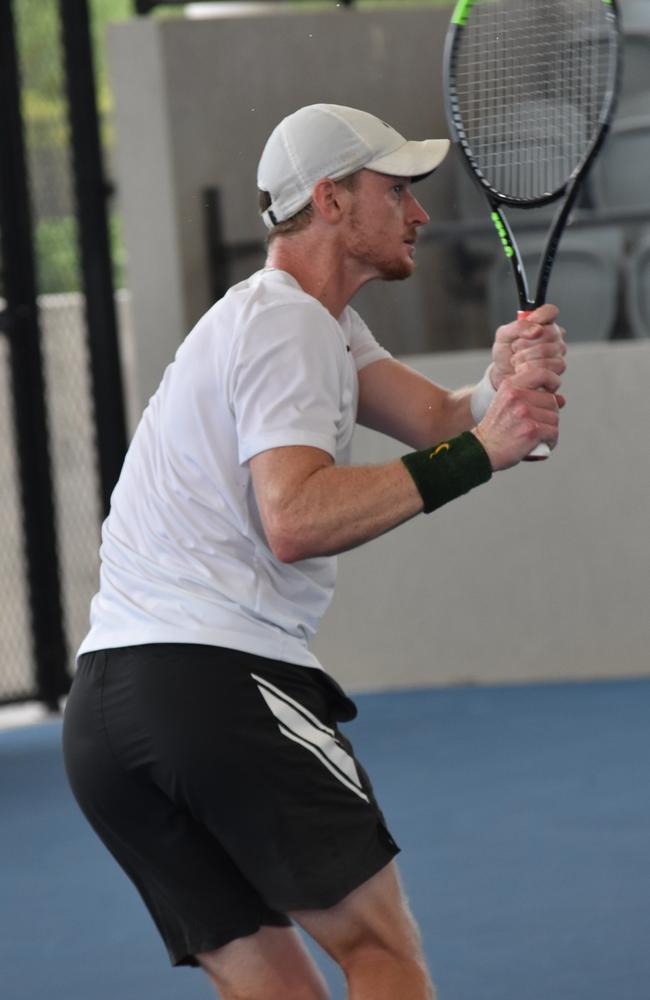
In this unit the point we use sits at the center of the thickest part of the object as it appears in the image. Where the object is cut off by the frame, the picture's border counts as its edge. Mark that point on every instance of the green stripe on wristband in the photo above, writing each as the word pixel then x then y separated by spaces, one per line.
pixel 447 470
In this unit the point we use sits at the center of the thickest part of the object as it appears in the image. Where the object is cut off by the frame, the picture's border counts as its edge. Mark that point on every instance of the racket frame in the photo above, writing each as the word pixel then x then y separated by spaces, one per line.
pixel 570 188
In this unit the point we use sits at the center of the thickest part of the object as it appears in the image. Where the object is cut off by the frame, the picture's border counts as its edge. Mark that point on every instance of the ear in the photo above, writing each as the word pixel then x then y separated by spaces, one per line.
pixel 330 200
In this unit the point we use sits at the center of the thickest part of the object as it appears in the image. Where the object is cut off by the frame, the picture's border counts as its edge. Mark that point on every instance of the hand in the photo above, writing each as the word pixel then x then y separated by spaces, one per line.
pixel 524 412
pixel 537 340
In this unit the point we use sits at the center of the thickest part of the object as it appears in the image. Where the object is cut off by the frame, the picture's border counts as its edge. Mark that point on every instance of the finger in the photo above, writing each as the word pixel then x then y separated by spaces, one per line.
pixel 547 421
pixel 538 399
pixel 550 336
pixel 519 329
pixel 530 376
pixel 538 333
pixel 543 407
pixel 554 364
pixel 541 350
pixel 506 335
pixel 547 313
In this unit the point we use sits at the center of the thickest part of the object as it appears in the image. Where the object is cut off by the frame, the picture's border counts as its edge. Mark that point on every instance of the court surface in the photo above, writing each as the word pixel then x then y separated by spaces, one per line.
pixel 524 818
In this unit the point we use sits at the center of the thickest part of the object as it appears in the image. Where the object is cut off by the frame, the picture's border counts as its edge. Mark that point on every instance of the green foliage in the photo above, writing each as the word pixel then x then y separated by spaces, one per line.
pixel 57 254
pixel 41 56
pixel 46 129
pixel 103 13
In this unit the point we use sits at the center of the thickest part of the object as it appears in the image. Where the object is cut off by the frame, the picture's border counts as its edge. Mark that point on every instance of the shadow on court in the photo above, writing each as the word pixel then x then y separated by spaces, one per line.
pixel 524 818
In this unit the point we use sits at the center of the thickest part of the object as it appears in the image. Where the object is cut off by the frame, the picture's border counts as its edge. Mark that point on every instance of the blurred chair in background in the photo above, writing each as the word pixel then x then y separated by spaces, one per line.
pixel 637 286
pixel 621 173
pixel 619 182
pixel 636 36
pixel 584 283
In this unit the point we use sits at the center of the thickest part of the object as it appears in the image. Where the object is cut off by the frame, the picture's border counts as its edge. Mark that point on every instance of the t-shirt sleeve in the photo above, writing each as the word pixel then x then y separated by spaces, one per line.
pixel 285 380
pixel 363 345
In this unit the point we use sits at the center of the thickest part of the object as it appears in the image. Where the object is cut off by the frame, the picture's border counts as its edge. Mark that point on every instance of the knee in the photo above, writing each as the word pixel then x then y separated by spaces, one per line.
pixel 307 991
pixel 388 961
pixel 294 990
pixel 378 953
pixel 393 941
pixel 389 975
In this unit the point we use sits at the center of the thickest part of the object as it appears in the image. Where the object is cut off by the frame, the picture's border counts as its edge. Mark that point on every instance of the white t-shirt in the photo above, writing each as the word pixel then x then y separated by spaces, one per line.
pixel 184 556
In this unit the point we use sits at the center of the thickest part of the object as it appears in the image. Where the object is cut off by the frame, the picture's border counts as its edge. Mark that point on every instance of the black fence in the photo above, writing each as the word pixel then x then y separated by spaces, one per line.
pixel 63 431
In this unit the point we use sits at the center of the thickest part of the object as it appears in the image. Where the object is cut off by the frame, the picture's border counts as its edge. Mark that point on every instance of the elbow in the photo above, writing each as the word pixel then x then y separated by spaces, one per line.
pixel 286 553
pixel 286 542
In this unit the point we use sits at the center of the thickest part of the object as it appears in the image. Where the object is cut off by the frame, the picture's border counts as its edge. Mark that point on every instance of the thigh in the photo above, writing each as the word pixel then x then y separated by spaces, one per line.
pixel 376 915
pixel 272 964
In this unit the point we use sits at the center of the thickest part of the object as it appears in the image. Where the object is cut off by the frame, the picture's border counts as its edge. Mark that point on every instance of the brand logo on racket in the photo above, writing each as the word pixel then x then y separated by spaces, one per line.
pixel 503 235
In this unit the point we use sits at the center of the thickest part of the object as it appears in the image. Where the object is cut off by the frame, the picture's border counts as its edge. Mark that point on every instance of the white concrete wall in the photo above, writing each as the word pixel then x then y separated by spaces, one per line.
pixel 541 574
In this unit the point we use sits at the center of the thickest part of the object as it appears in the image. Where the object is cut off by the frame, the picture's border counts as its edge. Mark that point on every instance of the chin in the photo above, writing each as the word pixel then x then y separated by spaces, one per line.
pixel 397 270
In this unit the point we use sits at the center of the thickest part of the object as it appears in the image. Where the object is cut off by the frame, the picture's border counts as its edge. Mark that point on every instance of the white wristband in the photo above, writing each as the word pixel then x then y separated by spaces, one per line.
pixel 482 396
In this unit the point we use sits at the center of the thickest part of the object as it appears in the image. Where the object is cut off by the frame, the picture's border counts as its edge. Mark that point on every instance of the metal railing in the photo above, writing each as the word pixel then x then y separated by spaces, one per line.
pixel 146 6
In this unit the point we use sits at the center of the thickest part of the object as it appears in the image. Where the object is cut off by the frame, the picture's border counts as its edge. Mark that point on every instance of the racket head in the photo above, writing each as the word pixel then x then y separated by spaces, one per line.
pixel 530 88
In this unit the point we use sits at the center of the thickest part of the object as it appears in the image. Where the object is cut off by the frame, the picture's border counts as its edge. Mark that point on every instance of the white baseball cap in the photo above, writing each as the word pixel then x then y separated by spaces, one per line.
pixel 329 140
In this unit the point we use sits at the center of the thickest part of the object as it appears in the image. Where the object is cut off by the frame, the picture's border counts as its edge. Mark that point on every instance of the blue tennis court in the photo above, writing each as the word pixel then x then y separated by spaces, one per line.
pixel 524 817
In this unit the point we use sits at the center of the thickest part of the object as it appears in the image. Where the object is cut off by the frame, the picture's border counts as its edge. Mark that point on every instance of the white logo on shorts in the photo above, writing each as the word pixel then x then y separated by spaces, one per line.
pixel 297 723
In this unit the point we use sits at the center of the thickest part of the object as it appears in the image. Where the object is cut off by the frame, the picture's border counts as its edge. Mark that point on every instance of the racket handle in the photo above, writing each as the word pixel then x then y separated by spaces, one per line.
pixel 542 450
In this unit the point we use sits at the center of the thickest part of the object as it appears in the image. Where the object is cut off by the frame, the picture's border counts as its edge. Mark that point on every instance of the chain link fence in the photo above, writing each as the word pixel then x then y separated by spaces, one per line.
pixel 16 674
pixel 64 341
pixel 61 310
pixel 73 451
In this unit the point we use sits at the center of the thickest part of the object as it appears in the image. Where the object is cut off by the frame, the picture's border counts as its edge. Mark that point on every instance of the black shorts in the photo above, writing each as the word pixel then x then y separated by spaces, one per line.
pixel 220 783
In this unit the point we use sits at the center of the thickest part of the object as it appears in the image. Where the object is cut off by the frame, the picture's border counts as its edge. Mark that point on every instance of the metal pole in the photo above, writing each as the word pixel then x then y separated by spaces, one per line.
pixel 218 256
pixel 146 6
pixel 96 267
pixel 28 388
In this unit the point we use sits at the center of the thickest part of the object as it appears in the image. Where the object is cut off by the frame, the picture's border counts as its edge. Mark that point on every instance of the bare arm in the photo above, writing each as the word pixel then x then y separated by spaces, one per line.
pixel 311 507
pixel 400 402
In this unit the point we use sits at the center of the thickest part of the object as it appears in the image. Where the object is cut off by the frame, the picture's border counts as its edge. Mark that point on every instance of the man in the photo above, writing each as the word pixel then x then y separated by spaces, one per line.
pixel 201 734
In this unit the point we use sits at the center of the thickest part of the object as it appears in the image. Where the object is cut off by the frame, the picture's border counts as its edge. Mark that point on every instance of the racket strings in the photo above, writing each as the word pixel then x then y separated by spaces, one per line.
pixel 531 80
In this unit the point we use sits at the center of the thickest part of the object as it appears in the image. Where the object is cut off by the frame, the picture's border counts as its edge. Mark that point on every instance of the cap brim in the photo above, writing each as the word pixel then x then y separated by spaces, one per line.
pixel 415 159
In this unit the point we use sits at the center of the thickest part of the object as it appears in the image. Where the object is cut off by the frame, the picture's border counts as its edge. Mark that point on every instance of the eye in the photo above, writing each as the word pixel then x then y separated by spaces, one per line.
pixel 399 188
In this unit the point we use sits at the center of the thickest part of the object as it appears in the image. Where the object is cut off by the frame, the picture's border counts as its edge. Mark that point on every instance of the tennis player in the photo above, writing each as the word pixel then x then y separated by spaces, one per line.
pixel 201 734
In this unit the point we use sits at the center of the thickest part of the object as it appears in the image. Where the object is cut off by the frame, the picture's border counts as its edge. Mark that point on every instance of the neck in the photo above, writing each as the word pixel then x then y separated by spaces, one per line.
pixel 320 268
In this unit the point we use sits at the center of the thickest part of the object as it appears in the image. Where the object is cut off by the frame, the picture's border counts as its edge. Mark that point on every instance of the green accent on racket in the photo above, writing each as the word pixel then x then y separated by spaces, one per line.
pixel 461 10
pixel 503 235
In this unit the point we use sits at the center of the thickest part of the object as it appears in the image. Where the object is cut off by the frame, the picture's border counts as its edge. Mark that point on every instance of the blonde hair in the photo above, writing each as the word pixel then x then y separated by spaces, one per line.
pixel 298 222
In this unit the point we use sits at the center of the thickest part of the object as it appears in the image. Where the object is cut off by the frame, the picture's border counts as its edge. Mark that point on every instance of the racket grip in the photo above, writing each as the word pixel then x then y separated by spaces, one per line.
pixel 542 450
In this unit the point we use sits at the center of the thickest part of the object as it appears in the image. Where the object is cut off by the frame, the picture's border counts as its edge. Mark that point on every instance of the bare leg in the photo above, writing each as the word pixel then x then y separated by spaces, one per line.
pixel 373 937
pixel 272 964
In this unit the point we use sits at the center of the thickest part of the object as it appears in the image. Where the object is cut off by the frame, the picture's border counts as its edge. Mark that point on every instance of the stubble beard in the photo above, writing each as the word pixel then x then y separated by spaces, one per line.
pixel 369 253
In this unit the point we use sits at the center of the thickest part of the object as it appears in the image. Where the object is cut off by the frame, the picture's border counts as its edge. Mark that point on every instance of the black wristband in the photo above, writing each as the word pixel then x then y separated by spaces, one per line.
pixel 446 471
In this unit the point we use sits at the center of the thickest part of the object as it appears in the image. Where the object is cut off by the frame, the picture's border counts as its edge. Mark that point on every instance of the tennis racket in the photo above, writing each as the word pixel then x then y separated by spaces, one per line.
pixel 530 88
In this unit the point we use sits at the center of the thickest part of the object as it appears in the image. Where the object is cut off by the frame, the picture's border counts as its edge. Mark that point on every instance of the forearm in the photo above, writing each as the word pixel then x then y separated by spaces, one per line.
pixel 452 416
pixel 340 507
pixel 397 401
pixel 311 507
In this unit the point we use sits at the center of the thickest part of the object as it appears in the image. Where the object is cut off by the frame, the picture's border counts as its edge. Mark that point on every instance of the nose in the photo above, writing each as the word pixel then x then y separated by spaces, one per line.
pixel 417 216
